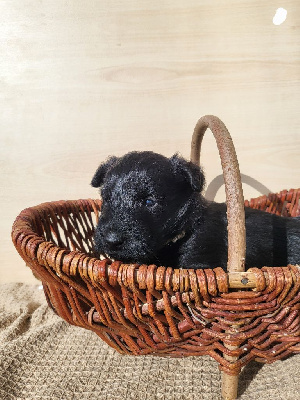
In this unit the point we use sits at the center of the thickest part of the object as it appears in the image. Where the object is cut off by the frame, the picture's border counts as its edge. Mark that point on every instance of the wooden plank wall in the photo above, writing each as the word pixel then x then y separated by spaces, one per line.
pixel 81 80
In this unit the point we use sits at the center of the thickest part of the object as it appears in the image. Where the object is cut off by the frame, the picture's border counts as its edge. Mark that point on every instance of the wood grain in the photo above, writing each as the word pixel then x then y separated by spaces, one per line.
pixel 82 80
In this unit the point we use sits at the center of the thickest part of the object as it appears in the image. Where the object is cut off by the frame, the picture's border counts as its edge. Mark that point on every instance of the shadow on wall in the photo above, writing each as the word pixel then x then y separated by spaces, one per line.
pixel 218 181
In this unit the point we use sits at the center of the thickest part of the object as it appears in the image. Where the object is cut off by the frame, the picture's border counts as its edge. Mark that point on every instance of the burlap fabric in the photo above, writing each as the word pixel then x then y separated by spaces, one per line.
pixel 42 357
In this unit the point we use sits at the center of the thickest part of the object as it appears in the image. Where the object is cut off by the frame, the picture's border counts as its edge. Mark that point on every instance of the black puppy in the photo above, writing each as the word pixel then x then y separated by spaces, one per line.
pixel 153 213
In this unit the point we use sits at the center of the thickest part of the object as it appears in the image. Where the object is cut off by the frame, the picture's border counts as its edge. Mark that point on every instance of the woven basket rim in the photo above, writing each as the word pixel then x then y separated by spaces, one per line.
pixel 94 270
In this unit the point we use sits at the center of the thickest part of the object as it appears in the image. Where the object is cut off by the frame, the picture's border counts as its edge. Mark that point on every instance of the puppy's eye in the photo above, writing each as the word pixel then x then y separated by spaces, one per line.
pixel 149 202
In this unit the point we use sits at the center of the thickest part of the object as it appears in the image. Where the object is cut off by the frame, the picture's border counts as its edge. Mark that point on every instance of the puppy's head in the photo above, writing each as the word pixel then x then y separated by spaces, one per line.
pixel 147 199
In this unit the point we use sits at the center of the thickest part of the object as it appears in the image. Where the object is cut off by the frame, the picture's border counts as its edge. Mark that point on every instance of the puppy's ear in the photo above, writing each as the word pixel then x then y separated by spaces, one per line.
pixel 190 172
pixel 102 170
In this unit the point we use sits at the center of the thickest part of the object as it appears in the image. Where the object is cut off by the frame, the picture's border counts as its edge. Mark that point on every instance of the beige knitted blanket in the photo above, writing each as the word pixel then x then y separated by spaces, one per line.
pixel 42 357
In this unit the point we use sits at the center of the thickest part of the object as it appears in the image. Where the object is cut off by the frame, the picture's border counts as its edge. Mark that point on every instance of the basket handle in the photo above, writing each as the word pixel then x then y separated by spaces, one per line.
pixel 233 187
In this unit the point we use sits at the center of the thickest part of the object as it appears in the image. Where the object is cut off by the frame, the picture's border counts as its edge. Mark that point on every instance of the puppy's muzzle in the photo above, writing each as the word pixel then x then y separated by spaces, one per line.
pixel 113 240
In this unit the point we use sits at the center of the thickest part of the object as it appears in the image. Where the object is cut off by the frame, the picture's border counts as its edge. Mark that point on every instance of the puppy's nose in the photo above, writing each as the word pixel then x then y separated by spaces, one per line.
pixel 113 239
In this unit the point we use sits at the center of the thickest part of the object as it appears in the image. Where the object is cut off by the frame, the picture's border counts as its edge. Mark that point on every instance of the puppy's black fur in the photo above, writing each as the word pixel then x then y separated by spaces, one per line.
pixel 153 212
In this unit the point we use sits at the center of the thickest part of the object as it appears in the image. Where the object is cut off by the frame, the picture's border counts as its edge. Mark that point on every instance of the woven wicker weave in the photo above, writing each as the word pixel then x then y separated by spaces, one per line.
pixel 234 317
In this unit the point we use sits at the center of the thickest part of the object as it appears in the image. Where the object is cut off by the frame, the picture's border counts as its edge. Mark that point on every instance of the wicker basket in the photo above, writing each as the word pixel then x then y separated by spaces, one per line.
pixel 234 317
